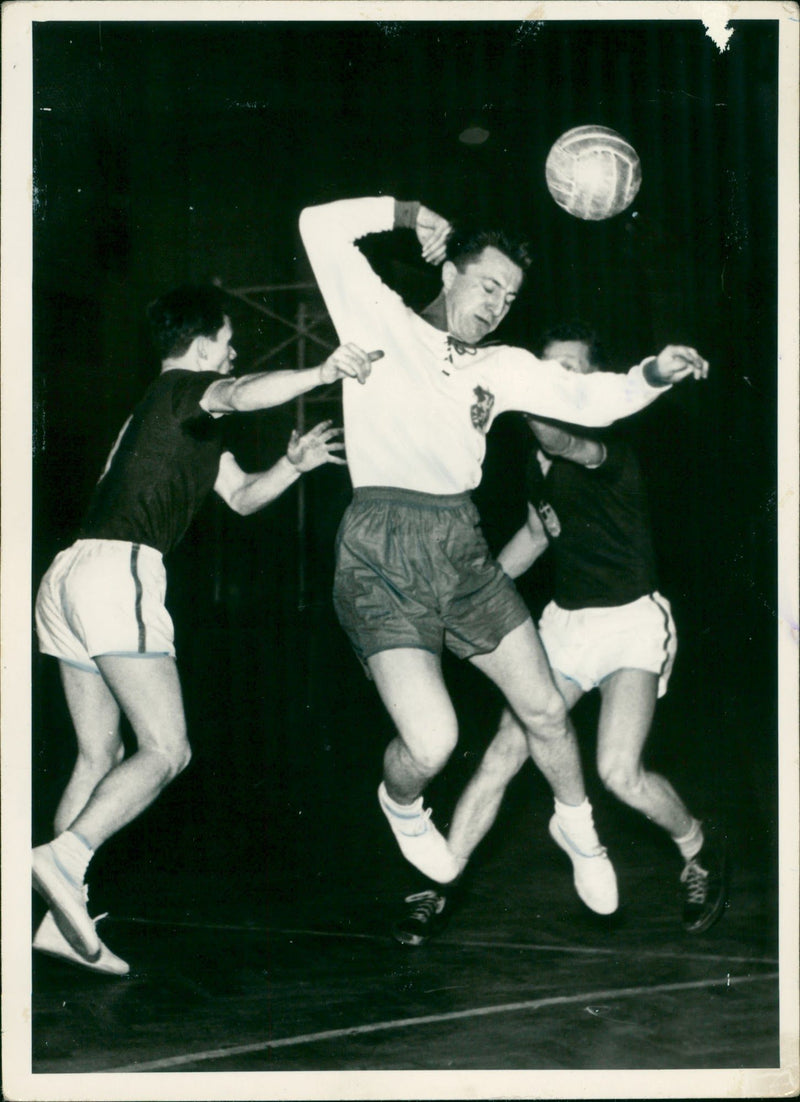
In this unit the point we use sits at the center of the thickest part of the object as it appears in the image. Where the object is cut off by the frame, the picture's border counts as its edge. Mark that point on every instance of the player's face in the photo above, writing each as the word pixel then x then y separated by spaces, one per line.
pixel 221 353
pixel 573 355
pixel 480 297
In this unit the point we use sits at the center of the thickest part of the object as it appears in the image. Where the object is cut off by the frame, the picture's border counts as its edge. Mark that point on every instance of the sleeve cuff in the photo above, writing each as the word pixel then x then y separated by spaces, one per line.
pixel 405 214
pixel 644 368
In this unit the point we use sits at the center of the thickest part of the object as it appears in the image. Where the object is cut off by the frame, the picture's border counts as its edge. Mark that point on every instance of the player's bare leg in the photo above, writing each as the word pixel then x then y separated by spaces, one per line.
pixel 410 683
pixel 95 717
pixel 480 801
pixel 519 668
pixel 148 691
pixel 626 714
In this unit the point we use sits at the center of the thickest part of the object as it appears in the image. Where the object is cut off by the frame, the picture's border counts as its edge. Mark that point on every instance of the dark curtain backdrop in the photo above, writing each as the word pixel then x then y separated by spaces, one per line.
pixel 167 152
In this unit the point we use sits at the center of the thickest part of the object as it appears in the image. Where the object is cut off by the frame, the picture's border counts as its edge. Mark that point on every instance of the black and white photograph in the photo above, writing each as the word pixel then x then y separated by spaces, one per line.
pixel 428 374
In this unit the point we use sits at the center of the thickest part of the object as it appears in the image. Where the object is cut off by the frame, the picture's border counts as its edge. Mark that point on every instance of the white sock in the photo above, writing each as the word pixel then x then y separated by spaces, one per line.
pixel 73 853
pixel 577 823
pixel 574 813
pixel 404 810
pixel 691 844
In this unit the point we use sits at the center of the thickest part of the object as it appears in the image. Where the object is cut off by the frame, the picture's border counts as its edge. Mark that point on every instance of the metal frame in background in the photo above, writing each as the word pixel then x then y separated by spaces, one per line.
pixel 307 316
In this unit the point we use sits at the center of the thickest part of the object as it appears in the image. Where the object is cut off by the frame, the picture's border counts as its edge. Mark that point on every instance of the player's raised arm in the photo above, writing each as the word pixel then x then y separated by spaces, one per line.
pixel 352 290
pixel 432 232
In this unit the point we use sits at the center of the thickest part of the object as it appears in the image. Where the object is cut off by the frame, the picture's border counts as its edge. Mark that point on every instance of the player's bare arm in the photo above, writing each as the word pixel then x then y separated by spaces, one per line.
pixel 247 493
pixel 558 441
pixel 266 389
pixel 524 547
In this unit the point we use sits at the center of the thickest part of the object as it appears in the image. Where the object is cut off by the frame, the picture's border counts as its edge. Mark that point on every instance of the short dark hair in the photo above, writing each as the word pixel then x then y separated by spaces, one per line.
pixel 466 244
pixel 177 317
pixel 575 331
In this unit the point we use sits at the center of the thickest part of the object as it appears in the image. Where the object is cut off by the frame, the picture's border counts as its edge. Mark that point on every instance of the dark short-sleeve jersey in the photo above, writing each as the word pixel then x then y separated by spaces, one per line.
pixel 162 466
pixel 598 524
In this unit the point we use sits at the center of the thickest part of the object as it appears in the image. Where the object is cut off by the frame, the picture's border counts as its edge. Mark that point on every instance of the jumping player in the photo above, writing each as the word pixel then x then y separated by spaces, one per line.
pixel 100 607
pixel 607 627
pixel 413 569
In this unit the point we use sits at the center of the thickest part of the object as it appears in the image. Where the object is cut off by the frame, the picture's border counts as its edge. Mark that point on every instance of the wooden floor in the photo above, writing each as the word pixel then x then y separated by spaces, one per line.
pixel 297 973
pixel 254 899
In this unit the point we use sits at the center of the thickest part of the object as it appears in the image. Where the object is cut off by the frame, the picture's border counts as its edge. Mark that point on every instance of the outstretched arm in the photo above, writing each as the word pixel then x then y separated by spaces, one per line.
pixel 524 547
pixel 272 388
pixel 546 389
pixel 247 493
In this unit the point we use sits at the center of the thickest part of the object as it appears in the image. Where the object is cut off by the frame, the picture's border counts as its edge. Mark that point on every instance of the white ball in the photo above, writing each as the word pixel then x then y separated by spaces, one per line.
pixel 593 172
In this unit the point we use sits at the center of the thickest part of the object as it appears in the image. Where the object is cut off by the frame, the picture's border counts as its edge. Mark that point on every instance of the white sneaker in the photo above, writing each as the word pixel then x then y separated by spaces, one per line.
pixel 419 840
pixel 49 939
pixel 594 876
pixel 67 900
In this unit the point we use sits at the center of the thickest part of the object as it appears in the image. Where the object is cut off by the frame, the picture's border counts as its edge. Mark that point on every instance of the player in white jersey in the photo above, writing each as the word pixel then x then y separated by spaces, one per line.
pixel 413 570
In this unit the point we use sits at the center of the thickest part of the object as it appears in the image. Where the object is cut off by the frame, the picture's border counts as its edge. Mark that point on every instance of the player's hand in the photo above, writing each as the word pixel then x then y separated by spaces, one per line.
pixel 315 447
pixel 432 234
pixel 351 361
pixel 678 361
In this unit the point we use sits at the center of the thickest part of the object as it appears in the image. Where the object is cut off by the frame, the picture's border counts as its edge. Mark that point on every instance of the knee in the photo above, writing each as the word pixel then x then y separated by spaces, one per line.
pixel 102 759
pixel 170 760
pixel 546 718
pixel 432 755
pixel 621 776
pixel 179 757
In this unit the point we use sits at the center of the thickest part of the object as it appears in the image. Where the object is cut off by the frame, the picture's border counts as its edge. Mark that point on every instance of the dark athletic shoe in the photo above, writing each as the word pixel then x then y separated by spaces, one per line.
pixel 704 884
pixel 425 913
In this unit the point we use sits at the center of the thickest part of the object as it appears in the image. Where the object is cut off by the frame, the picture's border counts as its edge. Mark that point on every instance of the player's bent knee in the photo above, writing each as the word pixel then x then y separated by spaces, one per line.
pixel 99 761
pixel 548 719
pixel 171 761
pixel 431 759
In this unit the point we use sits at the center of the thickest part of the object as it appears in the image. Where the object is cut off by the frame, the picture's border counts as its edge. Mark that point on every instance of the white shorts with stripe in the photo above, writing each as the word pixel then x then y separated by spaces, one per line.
pixel 589 644
pixel 104 597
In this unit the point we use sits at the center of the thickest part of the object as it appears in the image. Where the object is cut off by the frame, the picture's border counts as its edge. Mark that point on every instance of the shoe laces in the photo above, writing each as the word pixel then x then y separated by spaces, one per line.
pixel 695 878
pixel 97 918
pixel 427 905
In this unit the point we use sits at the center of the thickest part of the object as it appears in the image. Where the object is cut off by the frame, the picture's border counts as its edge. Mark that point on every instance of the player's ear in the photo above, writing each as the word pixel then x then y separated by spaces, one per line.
pixel 201 347
pixel 448 274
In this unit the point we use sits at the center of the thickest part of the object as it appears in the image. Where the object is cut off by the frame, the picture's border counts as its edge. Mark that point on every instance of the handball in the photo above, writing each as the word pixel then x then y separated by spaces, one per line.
pixel 593 172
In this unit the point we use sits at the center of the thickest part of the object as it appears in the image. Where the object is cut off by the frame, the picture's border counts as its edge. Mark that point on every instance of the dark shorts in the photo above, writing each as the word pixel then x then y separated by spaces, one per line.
pixel 414 570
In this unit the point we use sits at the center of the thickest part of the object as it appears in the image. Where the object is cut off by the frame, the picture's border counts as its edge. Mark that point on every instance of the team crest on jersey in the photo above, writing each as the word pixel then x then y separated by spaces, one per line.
pixel 549 519
pixel 481 411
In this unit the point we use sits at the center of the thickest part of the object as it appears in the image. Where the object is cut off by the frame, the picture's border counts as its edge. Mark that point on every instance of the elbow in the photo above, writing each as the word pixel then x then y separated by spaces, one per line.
pixel 309 218
pixel 239 502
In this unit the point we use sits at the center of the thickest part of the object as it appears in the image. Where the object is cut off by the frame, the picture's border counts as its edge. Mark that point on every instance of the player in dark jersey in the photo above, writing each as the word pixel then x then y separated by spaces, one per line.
pixel 607 627
pixel 100 607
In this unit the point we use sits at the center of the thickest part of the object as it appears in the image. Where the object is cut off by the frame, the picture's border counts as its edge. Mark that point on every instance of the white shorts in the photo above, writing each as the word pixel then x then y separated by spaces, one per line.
pixel 104 597
pixel 589 644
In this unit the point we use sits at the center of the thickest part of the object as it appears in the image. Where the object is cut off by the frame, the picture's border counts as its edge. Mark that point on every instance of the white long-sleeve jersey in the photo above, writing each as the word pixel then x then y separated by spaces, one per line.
pixel 420 420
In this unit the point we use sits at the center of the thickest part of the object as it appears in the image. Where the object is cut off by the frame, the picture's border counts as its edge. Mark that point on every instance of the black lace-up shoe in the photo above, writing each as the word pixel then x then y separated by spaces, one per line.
pixel 704 884
pixel 424 915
